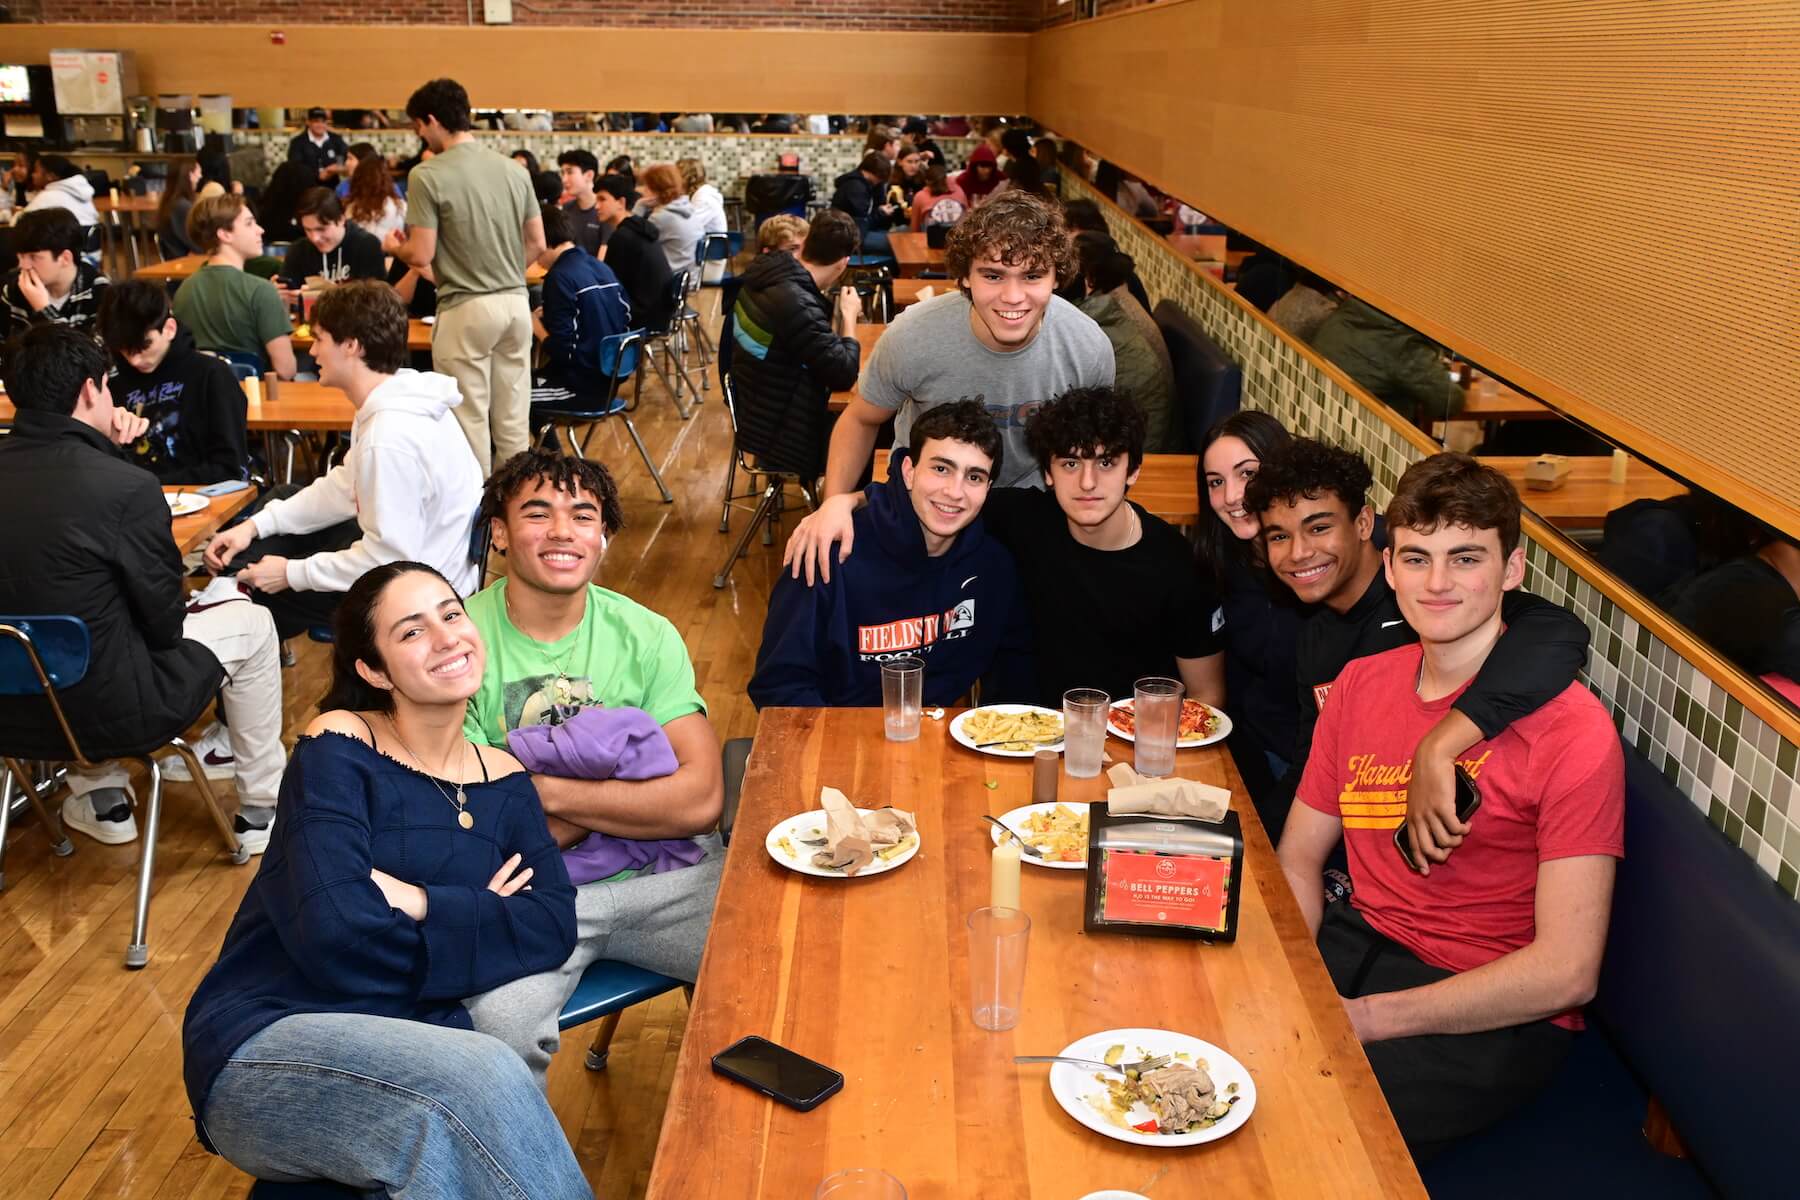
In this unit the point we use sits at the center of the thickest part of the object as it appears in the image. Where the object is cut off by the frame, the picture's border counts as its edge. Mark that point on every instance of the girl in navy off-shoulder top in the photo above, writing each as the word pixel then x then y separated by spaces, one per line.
pixel 408 870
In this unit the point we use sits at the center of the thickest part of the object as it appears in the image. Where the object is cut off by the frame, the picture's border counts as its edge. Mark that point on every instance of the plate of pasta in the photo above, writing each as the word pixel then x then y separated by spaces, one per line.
pixel 1009 730
pixel 1059 830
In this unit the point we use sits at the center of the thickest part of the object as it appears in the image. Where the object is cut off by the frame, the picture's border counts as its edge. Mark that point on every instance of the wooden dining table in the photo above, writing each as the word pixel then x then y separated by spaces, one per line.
pixel 867 334
pixel 871 977
pixel 418 336
pixel 191 530
pixel 912 255
pixel 1588 493
pixel 309 407
pixel 1168 486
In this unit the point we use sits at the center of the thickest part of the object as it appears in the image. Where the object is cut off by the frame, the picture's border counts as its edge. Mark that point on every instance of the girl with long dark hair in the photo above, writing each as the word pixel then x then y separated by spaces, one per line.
pixel 394 889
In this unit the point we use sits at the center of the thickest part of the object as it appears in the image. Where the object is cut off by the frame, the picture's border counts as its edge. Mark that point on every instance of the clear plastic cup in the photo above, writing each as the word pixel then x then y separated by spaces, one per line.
pixel 1156 720
pixel 1084 731
pixel 902 688
pixel 998 940
pixel 860 1183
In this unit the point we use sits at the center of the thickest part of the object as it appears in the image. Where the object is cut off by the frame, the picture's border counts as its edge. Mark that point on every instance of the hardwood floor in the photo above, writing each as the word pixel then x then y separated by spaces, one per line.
pixel 91 1102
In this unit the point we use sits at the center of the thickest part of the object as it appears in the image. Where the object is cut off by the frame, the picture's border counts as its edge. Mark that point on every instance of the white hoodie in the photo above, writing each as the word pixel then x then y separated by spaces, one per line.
pixel 409 479
pixel 74 193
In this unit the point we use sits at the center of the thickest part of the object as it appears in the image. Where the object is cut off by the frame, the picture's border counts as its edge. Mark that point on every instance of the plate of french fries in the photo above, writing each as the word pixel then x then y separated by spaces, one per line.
pixel 1009 730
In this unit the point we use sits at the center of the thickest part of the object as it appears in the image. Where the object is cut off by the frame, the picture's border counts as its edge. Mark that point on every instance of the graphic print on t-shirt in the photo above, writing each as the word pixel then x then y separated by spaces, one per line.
pixel 159 404
pixel 914 635
pixel 545 699
pixel 1374 795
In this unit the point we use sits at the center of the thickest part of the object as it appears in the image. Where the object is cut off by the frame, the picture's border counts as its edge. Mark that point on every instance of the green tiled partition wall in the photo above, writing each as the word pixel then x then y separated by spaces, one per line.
pixel 1734 767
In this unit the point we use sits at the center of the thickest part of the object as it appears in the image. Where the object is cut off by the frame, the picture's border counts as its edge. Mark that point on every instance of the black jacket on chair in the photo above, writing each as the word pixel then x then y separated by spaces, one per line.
pixel 86 534
pixel 785 363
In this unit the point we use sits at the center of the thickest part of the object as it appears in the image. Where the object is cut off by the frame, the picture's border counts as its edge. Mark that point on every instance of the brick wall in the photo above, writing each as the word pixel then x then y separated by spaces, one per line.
pixel 956 16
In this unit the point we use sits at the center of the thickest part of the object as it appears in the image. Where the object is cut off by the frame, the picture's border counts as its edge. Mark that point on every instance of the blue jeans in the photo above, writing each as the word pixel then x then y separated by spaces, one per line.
pixel 399 1107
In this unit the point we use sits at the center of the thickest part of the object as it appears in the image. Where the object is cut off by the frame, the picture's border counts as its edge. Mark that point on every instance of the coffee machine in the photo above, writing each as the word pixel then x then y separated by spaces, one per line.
pixel 93 88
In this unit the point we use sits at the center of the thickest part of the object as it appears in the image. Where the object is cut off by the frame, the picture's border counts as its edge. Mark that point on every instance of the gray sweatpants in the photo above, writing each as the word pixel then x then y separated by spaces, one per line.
pixel 657 922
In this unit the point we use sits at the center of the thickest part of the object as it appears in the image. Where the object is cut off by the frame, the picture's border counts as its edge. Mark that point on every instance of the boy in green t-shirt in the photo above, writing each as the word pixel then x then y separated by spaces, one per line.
pixel 557 643
pixel 225 309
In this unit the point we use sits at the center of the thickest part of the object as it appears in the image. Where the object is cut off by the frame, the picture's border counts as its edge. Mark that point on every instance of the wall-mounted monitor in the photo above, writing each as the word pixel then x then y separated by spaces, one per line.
pixel 15 85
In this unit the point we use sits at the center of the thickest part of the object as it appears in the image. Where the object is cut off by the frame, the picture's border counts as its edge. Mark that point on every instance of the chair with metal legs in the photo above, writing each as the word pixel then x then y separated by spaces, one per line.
pixel 670 338
pixel 623 352
pixel 39 654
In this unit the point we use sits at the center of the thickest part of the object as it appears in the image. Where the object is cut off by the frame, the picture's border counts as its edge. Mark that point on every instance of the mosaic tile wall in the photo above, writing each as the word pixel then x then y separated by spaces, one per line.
pixel 729 158
pixel 1734 767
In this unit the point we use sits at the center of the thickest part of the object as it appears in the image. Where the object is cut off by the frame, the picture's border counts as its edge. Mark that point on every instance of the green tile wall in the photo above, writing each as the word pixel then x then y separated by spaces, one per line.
pixel 1734 767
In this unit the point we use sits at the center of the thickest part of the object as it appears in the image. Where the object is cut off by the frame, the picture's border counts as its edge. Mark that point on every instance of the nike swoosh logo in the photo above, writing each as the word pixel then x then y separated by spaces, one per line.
pixel 968 581
pixel 1385 624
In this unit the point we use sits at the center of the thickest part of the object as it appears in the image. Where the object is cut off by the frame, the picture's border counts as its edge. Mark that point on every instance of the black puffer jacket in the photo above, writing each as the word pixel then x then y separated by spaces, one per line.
pixel 785 363
pixel 87 535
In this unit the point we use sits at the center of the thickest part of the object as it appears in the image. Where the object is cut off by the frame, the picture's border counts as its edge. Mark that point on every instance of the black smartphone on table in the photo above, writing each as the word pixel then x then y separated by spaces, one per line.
pixel 1468 799
pixel 778 1072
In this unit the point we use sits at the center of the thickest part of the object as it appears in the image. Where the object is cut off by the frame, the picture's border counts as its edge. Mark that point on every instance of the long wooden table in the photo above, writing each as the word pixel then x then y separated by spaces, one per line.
pixel 418 336
pixel 911 253
pixel 1504 405
pixel 1588 493
pixel 303 406
pixel 1168 486
pixel 867 334
pixel 190 531
pixel 870 977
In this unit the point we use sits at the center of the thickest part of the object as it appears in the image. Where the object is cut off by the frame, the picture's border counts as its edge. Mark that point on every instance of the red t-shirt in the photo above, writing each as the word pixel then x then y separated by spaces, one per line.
pixel 1552 786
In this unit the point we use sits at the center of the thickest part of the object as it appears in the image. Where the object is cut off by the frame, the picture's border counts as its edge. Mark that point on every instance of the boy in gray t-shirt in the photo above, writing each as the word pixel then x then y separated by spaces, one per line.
pixel 1003 338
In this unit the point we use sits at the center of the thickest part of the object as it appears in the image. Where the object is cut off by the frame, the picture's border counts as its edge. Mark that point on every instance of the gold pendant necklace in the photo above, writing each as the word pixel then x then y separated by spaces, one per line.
pixel 461 800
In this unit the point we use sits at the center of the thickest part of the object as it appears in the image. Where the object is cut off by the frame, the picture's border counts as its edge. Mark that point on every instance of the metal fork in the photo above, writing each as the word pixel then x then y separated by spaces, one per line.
pixel 1024 845
pixel 1142 1065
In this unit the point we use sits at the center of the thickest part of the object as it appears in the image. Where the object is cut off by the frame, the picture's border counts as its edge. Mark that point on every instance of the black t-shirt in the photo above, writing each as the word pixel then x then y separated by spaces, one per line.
pixel 1102 618
pixel 1747 610
pixel 590 231
pixel 358 256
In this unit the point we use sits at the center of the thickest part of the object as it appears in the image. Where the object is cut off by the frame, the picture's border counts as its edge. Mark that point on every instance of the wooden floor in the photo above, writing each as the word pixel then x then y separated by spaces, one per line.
pixel 91 1102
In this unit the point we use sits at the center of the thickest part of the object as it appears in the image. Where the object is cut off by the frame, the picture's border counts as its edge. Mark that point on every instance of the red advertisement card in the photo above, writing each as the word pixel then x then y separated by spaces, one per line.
pixel 1166 889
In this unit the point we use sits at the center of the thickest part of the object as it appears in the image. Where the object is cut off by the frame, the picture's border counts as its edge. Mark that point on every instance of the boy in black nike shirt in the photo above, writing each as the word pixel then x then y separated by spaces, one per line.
pixel 191 399
pixel 1319 534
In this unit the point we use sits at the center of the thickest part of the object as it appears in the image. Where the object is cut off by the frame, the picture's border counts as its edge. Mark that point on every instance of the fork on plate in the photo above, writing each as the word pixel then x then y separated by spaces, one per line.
pixel 1140 1066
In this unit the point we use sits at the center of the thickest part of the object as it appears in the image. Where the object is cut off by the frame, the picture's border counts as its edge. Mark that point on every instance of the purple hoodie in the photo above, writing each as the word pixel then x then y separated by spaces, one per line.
pixel 606 743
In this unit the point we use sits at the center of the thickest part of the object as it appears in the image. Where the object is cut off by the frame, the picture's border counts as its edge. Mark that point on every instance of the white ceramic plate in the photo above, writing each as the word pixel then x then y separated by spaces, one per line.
pixel 1015 820
pixel 812 825
pixel 1220 731
pixel 956 730
pixel 182 504
pixel 1078 1091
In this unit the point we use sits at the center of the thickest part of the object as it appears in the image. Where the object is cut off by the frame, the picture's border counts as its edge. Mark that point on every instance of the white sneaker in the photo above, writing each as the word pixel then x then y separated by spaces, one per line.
pixel 254 838
pixel 103 814
pixel 212 748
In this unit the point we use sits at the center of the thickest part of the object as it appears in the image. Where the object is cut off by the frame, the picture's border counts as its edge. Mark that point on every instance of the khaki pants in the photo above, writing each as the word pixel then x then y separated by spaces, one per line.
pixel 484 343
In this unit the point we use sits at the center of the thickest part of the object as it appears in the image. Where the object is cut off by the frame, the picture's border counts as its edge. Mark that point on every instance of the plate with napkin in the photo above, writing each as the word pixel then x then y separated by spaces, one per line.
pixel 838 840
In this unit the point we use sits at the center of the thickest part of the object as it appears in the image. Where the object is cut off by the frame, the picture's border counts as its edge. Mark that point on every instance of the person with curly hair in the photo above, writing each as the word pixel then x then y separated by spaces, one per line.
pixel 1319 535
pixel 1001 336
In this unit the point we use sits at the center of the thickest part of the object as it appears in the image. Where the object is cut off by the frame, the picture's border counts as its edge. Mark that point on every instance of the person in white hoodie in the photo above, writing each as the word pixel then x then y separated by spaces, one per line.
pixel 407 489
pixel 60 184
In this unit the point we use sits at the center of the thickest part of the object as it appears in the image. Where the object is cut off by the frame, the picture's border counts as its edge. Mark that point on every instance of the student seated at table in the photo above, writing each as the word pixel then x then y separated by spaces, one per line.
pixel 579 171
pixel 1397 365
pixel 787 354
pixel 1139 370
pixel 229 312
pixel 330 247
pixel 1113 591
pixel 707 201
pixel 583 306
pixel 927 582
pixel 862 194
pixel 1465 986
pixel 1748 607
pixel 58 183
pixel 411 870
pixel 631 249
pixel 1318 532
pixel 87 535
pixel 372 200
pixel 192 402
pixel 53 283
pixel 558 644
pixel 407 488
pixel 666 205
pixel 318 149
pixel 938 201
pixel 782 232
pixel 180 190
pixel 1001 333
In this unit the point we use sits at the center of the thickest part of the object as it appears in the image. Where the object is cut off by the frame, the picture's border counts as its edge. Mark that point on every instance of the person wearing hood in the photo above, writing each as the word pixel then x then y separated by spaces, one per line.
pixel 860 194
pixel 406 490
pixel 786 356
pixel 53 284
pixel 631 248
pixel 926 581
pixel 60 184
pixel 982 174
pixel 671 213
pixel 191 401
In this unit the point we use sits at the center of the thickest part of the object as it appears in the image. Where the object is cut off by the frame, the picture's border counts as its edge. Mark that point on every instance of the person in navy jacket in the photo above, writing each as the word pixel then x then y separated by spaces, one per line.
pixel 926 582
pixel 330 1041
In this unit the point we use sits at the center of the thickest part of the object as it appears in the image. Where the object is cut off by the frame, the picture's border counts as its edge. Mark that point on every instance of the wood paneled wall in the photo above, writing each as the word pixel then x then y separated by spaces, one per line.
pixel 581 69
pixel 1598 199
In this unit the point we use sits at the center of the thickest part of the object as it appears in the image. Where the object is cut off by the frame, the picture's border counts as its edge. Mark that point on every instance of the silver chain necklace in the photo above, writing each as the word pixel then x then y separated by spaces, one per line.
pixel 461 800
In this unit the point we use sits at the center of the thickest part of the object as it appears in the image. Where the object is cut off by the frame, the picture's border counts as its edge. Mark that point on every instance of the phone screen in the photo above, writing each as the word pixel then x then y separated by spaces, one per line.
pixel 777 1071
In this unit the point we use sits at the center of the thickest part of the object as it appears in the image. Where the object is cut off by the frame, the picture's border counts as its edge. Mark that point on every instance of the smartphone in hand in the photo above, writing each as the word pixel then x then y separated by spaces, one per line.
pixel 1468 799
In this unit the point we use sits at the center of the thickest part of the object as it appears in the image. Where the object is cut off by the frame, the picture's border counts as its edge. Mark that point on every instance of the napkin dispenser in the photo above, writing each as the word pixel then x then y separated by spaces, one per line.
pixel 1164 877
pixel 1546 472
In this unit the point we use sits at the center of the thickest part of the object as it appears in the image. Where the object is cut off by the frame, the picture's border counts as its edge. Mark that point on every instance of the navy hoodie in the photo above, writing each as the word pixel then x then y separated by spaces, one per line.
pixel 962 612
pixel 196 411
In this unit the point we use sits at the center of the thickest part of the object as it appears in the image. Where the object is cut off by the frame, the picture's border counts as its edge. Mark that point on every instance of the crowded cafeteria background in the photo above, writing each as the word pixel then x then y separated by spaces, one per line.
pixel 1187 639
